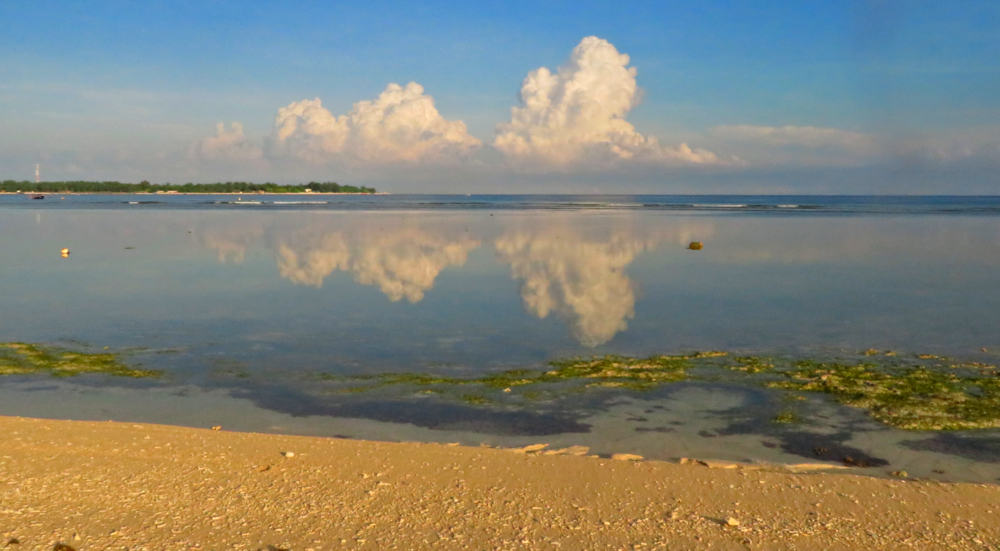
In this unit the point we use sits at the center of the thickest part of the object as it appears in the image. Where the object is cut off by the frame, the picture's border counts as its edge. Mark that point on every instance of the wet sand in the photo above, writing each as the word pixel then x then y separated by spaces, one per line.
pixel 106 485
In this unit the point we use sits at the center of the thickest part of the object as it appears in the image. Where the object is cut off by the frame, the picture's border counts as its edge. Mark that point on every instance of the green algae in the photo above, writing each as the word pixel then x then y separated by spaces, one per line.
pixel 606 371
pixel 787 417
pixel 906 396
pixel 910 392
pixel 476 399
pixel 18 358
pixel 616 371
pixel 752 364
pixel 905 391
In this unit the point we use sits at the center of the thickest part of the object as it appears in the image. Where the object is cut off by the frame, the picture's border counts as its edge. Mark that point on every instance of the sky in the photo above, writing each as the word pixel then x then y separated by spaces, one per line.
pixel 855 96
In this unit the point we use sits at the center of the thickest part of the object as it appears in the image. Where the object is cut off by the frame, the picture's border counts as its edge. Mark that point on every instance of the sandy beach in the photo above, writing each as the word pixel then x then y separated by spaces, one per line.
pixel 109 485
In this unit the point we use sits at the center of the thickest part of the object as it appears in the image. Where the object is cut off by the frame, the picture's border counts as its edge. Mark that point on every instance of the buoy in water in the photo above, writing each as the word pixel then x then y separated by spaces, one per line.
pixel 695 246
pixel 64 252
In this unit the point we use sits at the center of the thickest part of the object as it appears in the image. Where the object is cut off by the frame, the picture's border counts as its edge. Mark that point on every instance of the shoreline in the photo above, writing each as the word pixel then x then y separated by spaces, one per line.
pixel 101 485
pixel 189 193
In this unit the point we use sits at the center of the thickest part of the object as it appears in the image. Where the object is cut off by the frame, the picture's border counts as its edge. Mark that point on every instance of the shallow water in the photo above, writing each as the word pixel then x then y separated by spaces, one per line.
pixel 250 309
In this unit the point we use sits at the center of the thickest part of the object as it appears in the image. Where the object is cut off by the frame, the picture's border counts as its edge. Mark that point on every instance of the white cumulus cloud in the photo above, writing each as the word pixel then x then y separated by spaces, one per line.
pixel 577 115
pixel 400 125
pixel 226 145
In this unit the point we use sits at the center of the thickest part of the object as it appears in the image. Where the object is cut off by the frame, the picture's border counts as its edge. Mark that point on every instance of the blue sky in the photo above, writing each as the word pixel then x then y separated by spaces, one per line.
pixel 878 96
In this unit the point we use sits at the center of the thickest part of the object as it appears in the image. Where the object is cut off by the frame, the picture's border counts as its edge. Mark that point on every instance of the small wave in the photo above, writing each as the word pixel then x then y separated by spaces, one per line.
pixel 301 202
pixel 709 206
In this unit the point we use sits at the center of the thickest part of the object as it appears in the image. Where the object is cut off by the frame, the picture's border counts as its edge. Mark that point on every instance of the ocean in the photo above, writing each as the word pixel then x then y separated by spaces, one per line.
pixel 472 319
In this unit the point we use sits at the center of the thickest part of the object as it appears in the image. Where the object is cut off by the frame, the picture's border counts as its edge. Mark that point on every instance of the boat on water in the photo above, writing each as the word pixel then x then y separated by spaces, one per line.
pixel 38 196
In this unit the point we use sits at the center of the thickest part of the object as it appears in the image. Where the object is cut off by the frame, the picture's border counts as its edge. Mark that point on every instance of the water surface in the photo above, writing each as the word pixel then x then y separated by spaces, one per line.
pixel 251 309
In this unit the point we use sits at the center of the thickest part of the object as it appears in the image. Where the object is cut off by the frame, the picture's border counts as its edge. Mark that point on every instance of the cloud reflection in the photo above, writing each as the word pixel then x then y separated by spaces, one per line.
pixel 582 280
pixel 230 243
pixel 571 267
pixel 402 262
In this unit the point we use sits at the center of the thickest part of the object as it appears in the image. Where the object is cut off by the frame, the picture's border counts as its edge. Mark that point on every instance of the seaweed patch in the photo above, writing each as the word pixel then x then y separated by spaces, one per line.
pixel 912 396
pixel 606 371
pixel 911 392
pixel 18 358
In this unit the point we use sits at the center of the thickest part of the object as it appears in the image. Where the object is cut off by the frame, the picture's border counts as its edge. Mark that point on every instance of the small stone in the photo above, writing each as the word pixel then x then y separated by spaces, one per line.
pixel 530 449
pixel 62 547
pixel 714 464
pixel 217 427
pixel 288 454
pixel 900 474
pixel 626 457
pixel 695 246
pixel 572 450
pixel 13 541
pixel 732 522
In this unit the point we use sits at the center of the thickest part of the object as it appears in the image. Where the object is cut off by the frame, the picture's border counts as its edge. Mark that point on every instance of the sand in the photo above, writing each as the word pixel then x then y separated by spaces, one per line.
pixel 108 485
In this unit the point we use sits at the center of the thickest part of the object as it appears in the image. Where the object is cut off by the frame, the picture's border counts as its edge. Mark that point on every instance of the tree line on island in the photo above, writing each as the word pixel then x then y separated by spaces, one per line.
pixel 12 186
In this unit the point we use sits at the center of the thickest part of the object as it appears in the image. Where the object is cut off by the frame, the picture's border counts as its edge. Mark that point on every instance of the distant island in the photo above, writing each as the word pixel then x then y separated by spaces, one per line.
pixel 11 186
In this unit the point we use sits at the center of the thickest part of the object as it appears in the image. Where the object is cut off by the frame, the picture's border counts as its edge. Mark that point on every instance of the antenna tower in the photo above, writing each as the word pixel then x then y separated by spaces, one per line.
pixel 38 176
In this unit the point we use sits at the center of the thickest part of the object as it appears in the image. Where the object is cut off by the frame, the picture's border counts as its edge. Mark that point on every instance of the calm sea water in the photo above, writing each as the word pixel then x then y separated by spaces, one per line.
pixel 248 302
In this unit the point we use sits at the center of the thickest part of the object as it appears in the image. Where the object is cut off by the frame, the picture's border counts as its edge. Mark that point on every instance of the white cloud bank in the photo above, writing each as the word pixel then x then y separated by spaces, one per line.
pixel 796 145
pixel 802 136
pixel 576 116
pixel 980 146
pixel 400 126
pixel 226 145
pixel 573 119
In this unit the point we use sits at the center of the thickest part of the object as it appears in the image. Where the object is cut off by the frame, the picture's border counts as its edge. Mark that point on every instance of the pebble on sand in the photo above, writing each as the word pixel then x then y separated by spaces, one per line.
pixel 626 457
pixel 530 449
